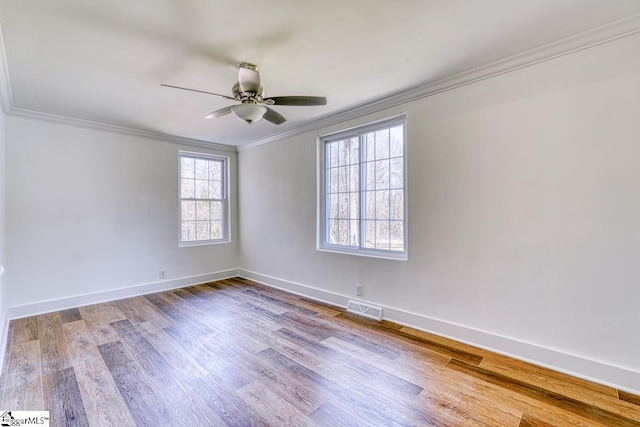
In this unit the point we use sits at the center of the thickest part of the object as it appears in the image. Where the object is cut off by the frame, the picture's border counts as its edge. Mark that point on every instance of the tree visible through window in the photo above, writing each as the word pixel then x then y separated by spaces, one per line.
pixel 363 203
pixel 203 198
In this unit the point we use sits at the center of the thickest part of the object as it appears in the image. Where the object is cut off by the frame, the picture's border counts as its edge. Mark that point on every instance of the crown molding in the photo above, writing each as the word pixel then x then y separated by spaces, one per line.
pixel 156 136
pixel 587 39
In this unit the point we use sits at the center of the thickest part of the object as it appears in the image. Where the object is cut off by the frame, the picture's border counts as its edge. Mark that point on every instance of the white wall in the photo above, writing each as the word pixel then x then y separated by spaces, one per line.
pixel 524 215
pixel 3 231
pixel 90 211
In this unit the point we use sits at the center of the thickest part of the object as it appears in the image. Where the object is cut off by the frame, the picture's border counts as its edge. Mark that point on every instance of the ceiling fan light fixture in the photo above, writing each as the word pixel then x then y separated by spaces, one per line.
pixel 249 112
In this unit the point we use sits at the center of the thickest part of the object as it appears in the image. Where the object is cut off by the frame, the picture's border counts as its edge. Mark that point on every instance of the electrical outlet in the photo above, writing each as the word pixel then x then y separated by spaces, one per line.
pixel 162 274
pixel 358 289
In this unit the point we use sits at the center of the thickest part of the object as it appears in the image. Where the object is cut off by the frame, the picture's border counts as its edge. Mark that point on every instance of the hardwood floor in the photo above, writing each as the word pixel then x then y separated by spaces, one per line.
pixel 236 353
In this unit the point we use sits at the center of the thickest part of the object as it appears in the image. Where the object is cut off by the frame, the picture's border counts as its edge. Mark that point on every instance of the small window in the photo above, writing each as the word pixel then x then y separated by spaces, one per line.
pixel 203 199
pixel 362 199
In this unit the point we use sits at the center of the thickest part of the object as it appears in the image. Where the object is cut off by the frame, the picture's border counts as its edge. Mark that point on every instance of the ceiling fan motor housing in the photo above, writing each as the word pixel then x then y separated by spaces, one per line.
pixel 247 96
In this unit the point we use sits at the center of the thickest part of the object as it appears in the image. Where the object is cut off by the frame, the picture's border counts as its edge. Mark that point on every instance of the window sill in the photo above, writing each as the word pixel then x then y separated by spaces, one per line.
pixel 395 256
pixel 203 243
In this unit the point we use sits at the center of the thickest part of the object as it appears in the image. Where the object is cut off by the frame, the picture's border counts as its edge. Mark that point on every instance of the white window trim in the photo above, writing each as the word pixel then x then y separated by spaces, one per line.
pixel 226 205
pixel 321 241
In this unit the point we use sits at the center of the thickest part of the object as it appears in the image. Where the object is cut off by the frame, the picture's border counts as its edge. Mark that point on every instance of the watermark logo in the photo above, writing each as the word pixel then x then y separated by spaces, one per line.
pixel 24 418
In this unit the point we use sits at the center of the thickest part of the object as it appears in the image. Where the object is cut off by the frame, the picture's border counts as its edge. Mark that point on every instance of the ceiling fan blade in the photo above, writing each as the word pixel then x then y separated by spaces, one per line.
pixel 274 117
pixel 200 91
pixel 298 100
pixel 249 77
pixel 219 113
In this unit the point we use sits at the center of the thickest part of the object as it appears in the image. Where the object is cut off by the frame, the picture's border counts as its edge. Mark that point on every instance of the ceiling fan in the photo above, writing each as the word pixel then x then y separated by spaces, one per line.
pixel 251 94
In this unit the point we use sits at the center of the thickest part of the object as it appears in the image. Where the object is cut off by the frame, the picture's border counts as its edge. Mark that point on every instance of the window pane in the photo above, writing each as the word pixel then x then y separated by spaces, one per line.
pixel 203 230
pixel 332 232
pixel 188 231
pixel 215 189
pixel 203 211
pixel 202 169
pixel 397 236
pixel 397 142
pixel 343 150
pixel 343 233
pixel 188 210
pixel 354 232
pixel 217 230
pixel 382 174
pixel 371 146
pixel 187 188
pixel 202 189
pixel 382 144
pixel 370 183
pixel 187 167
pixel 354 178
pixel 382 235
pixel 369 234
pixel 354 205
pixel 343 205
pixel 333 180
pixel 215 170
pixel 334 154
pixel 396 173
pixel 396 204
pixel 217 210
pixel 354 151
pixel 382 204
pixel 343 178
pixel 333 206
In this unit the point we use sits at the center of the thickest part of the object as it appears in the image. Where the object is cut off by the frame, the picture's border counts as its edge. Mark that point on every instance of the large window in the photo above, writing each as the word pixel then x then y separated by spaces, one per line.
pixel 203 199
pixel 362 191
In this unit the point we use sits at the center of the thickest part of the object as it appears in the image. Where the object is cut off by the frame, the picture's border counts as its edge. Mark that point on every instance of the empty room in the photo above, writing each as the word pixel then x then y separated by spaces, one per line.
pixel 306 213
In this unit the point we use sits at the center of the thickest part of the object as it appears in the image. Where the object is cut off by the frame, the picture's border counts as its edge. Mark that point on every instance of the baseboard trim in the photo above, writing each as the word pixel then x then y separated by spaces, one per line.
pixel 26 310
pixel 577 366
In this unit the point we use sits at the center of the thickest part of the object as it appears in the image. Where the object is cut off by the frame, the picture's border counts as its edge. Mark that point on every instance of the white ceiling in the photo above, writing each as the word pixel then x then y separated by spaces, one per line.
pixel 104 61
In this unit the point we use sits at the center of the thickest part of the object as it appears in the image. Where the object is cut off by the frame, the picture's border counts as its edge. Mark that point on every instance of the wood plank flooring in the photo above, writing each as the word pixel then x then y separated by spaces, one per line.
pixel 235 353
